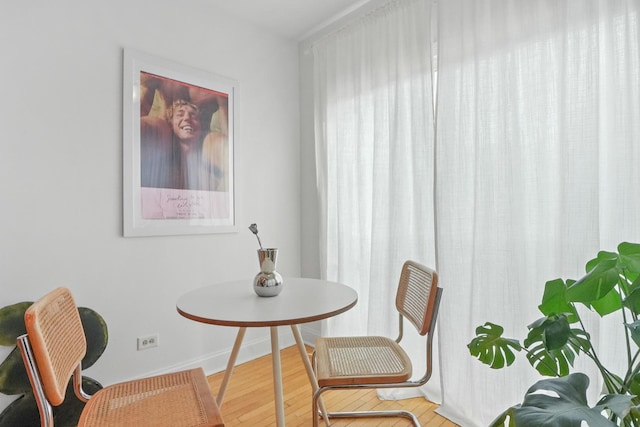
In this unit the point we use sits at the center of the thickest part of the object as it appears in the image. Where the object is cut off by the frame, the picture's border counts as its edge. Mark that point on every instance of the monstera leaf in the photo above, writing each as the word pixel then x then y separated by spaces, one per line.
pixel 491 348
pixel 563 402
pixel 552 345
pixel 604 272
pixel 598 282
pixel 13 376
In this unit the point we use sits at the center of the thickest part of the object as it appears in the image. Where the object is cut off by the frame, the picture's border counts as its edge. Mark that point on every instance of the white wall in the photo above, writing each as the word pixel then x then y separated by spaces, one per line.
pixel 61 170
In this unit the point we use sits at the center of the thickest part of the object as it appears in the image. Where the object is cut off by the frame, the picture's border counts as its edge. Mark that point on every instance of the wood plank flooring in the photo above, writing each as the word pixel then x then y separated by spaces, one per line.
pixel 249 400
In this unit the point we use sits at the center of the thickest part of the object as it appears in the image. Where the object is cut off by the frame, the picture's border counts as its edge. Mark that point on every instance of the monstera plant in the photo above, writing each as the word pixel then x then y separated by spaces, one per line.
pixel 13 375
pixel 611 286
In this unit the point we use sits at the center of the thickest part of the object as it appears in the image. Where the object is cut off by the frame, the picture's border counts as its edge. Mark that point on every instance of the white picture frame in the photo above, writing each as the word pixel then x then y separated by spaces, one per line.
pixel 179 138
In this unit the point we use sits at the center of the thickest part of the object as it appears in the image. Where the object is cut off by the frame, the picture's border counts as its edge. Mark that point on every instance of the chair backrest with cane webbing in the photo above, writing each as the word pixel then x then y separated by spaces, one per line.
pixel 56 335
pixel 416 295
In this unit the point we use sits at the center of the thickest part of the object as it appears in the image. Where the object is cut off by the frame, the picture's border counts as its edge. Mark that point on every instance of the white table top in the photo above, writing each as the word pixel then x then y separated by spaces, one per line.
pixel 235 303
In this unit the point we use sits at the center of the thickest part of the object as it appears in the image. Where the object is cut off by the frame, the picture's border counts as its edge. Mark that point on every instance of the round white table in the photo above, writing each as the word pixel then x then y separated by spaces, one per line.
pixel 235 304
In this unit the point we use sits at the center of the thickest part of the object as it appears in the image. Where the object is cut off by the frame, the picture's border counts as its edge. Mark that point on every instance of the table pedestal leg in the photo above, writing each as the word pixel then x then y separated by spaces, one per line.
pixel 277 377
pixel 230 365
pixel 307 365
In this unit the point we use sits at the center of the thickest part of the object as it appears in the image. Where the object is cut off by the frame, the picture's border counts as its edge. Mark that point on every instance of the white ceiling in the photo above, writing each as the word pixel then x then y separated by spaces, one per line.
pixel 295 19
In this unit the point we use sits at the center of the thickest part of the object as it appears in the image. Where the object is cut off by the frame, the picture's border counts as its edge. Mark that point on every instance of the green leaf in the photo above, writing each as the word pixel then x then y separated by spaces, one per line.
pixel 602 256
pixel 543 361
pixel 597 283
pixel 13 375
pixel 12 322
pixel 632 301
pixel 580 340
pixel 552 330
pixel 502 418
pixel 608 304
pixel 554 300
pixel 630 256
pixel 634 385
pixel 552 346
pixel 491 348
pixel 23 411
pixel 635 284
pixel 634 329
pixel 68 414
pixel 619 404
pixel 556 333
pixel 96 333
pixel 563 402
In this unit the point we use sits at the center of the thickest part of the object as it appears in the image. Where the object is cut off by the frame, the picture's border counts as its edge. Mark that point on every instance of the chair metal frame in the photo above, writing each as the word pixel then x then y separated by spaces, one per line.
pixel 317 395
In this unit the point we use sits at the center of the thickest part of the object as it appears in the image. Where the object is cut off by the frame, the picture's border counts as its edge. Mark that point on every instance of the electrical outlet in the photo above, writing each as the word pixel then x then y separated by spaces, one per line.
pixel 148 341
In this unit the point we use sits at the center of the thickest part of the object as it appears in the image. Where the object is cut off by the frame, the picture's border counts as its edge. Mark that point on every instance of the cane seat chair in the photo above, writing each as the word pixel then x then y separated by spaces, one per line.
pixel 379 362
pixel 53 349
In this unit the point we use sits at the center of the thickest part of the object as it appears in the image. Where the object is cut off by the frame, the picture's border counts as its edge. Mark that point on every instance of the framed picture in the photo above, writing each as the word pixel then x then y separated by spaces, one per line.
pixel 178 160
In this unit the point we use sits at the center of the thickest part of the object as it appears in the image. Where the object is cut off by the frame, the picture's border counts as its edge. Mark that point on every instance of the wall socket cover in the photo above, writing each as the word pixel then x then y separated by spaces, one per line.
pixel 148 341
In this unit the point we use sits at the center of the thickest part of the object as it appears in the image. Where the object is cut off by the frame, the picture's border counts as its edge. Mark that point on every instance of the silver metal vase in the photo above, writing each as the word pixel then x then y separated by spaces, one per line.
pixel 267 283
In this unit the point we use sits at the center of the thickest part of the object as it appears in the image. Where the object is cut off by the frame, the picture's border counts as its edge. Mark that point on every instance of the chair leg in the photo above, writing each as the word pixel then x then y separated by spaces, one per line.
pixel 308 365
pixel 315 408
pixel 377 414
pixel 316 414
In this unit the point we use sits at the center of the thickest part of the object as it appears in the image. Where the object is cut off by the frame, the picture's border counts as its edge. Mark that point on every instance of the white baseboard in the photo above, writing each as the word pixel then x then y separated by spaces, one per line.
pixel 251 349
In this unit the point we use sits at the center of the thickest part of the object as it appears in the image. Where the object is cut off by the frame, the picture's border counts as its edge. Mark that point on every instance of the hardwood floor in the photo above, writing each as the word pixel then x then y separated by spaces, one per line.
pixel 249 398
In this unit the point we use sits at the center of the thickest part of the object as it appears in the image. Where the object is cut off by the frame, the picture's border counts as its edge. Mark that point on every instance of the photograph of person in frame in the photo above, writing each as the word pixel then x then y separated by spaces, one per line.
pixel 184 138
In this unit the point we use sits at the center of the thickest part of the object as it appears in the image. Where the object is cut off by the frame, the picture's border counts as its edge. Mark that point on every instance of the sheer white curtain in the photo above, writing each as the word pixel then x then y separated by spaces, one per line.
pixel 534 168
pixel 537 155
pixel 374 136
